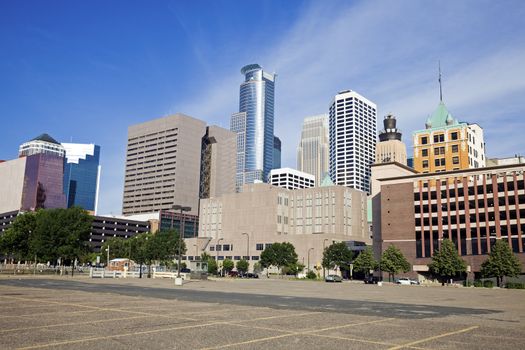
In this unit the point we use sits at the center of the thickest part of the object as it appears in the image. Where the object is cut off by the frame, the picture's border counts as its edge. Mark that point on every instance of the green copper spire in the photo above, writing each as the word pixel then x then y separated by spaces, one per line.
pixel 440 118
pixel 327 181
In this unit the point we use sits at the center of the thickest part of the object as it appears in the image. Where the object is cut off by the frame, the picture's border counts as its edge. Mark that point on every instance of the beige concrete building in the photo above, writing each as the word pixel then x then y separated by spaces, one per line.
pixel 163 164
pixel 241 225
pixel 175 160
pixel 12 175
pixel 390 148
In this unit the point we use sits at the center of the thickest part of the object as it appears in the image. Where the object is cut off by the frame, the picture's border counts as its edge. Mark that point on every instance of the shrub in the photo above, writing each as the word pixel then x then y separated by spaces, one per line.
pixel 478 283
pixel 488 284
pixel 468 283
pixel 515 285
pixel 311 275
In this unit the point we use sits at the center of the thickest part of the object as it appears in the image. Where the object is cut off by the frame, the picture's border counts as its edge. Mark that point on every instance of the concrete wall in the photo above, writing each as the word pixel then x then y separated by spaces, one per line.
pixel 12 184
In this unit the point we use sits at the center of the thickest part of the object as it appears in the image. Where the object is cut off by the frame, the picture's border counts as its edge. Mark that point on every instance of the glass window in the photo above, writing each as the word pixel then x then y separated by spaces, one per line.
pixel 455 160
pixel 454 135
pixel 455 148
pixel 424 152
pixel 424 140
pixel 425 164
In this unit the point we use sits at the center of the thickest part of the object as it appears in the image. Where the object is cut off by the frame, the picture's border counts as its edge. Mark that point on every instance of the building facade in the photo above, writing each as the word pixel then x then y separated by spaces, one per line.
pixel 107 227
pixel 243 224
pixel 82 175
pixel 390 148
pixel 447 144
pixel 352 134
pixel 276 152
pixel 255 125
pixel 42 144
pixel 312 152
pixel 32 182
pixel 290 178
pixel 163 164
pixel 473 208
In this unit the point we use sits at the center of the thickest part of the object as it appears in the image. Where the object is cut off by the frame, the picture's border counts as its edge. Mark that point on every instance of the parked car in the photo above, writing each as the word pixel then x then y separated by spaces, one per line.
pixel 333 278
pixel 233 274
pixel 251 275
pixel 413 281
pixel 371 280
pixel 403 280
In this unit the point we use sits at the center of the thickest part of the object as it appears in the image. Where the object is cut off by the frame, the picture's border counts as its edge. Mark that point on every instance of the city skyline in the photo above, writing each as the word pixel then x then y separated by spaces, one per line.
pixel 56 78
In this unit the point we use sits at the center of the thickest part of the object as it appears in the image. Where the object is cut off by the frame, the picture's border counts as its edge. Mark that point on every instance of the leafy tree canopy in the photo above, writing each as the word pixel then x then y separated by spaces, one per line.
pixel 501 262
pixel 279 255
pixel 15 241
pixel 393 261
pixel 365 261
pixel 227 265
pixel 446 263
pixel 337 254
pixel 242 266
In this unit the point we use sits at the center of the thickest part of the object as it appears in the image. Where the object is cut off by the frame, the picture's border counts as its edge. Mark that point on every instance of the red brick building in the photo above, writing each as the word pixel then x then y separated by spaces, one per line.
pixel 471 207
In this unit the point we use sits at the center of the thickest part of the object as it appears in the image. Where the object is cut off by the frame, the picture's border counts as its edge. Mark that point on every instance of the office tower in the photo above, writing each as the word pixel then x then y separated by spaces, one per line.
pixel 32 182
pixel 276 152
pixel 82 175
pixel 290 178
pixel 254 125
pixel 447 144
pixel 390 148
pixel 41 144
pixel 312 152
pixel 352 128
pixel 217 175
pixel 163 164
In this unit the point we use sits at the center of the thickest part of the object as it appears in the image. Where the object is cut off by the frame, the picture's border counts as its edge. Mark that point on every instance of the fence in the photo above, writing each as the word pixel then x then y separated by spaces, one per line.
pixel 101 273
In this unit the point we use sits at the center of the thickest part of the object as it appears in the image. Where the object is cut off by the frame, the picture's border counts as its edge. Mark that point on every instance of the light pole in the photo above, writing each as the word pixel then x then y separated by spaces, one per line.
pixel 181 233
pixel 309 258
pixel 107 261
pixel 217 252
pixel 325 240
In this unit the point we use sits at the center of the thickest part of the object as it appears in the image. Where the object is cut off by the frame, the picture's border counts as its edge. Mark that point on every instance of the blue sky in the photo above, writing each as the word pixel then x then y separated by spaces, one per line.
pixel 86 70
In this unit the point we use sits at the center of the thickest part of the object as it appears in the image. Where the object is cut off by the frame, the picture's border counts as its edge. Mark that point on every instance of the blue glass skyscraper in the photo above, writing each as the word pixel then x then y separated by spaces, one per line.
pixel 81 175
pixel 254 125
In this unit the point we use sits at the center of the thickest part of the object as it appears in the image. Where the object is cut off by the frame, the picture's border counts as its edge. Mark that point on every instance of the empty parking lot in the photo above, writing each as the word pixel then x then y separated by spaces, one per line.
pixel 41 313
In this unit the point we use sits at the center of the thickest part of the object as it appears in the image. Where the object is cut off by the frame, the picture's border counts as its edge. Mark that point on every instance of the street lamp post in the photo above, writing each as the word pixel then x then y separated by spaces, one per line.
pixel 309 258
pixel 217 252
pixel 182 209
pixel 324 242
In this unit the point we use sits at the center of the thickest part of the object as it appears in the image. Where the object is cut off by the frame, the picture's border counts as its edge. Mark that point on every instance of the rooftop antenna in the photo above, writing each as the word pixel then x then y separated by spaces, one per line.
pixel 440 89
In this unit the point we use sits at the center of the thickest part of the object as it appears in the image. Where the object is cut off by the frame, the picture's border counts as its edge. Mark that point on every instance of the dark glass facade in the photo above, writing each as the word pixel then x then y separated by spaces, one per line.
pixel 43 186
pixel 81 179
pixel 172 220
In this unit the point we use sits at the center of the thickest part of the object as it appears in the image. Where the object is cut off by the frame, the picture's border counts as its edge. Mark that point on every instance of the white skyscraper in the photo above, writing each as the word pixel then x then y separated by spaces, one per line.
pixel 353 130
pixel 312 152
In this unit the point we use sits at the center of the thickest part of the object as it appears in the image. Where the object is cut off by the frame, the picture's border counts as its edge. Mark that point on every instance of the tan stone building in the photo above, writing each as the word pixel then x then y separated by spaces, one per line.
pixel 390 148
pixel 241 225
pixel 174 159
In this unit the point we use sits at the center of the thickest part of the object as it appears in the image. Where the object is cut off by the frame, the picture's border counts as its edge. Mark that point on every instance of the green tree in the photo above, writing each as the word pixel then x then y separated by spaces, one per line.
pixel 213 267
pixel 279 255
pixel 227 265
pixel 242 266
pixel 394 262
pixel 337 255
pixel 118 248
pixel 365 261
pixel 61 233
pixel 446 263
pixel 293 269
pixel 501 262
pixel 257 267
pixel 15 241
